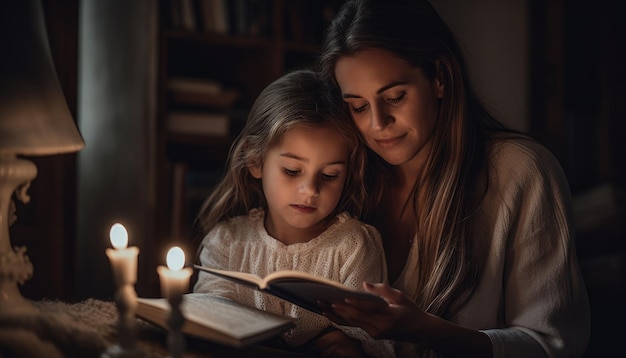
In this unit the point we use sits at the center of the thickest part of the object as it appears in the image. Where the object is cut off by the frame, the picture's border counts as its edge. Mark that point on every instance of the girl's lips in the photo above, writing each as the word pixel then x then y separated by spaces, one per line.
pixel 303 208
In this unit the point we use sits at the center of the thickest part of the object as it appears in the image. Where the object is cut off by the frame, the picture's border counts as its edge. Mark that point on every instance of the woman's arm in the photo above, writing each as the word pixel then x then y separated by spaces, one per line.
pixel 402 320
pixel 335 343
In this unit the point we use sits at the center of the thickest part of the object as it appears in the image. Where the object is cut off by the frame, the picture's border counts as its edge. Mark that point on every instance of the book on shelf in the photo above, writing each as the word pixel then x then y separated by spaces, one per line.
pixel 199 123
pixel 298 287
pixel 194 85
pixel 216 319
pixel 188 16
pixel 205 92
pixel 214 15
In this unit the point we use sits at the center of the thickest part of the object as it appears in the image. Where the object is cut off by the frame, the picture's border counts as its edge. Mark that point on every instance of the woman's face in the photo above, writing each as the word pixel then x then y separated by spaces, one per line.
pixel 394 105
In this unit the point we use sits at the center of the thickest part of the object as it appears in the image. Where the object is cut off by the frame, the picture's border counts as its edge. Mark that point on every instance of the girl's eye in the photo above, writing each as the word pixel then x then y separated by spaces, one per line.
pixel 291 173
pixel 329 177
pixel 397 99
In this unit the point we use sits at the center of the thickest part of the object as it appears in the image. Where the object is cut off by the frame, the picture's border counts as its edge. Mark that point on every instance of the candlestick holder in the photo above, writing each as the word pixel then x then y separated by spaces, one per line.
pixel 175 321
pixel 174 283
pixel 126 303
pixel 124 264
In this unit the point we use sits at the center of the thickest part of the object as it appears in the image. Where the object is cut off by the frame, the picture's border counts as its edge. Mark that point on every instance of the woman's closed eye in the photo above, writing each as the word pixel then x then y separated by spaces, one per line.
pixel 392 100
pixel 358 109
pixel 397 99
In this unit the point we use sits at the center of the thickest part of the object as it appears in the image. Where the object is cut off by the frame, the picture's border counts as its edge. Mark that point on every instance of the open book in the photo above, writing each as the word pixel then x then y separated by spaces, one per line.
pixel 300 288
pixel 216 319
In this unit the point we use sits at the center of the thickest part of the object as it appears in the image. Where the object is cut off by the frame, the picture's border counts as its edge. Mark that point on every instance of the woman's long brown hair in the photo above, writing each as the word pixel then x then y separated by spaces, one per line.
pixel 445 199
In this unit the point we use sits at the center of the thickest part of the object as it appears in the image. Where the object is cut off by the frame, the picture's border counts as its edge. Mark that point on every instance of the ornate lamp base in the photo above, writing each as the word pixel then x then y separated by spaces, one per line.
pixel 15 267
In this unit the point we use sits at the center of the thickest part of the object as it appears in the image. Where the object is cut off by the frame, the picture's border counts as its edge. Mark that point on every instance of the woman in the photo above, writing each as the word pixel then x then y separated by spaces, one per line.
pixel 475 219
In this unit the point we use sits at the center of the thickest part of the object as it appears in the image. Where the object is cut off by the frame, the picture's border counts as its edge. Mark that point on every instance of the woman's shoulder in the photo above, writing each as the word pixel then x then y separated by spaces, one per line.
pixel 520 156
pixel 518 163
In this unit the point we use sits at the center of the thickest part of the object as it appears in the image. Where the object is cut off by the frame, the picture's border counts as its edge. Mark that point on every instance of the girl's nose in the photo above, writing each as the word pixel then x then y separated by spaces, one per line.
pixel 309 187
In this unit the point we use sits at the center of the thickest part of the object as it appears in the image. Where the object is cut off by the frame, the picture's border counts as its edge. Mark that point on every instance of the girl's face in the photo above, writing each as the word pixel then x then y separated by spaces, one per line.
pixel 303 178
pixel 394 105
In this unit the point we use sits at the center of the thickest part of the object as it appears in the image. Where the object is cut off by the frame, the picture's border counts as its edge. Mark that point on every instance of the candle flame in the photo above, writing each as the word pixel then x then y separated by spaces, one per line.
pixel 119 236
pixel 175 258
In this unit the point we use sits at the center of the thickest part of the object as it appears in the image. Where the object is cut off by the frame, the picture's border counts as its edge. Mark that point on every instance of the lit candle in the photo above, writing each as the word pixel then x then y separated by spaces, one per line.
pixel 123 259
pixel 174 278
pixel 174 283
pixel 124 265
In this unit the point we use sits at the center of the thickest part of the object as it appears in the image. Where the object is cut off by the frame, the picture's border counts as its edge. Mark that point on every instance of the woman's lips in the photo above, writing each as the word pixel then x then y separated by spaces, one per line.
pixel 390 141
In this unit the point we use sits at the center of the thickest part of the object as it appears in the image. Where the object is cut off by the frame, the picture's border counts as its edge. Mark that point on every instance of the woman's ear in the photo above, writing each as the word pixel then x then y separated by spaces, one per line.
pixel 255 170
pixel 438 82
pixel 439 87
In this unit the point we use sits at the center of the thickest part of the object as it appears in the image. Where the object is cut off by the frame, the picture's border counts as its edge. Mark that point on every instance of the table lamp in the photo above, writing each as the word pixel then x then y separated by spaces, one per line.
pixel 34 120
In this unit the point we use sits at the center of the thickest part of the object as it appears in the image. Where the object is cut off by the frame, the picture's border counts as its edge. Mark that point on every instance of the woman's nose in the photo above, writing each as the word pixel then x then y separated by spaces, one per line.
pixel 380 118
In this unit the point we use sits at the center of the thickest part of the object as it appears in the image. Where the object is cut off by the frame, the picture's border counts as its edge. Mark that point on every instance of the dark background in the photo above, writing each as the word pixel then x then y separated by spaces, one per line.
pixel 576 108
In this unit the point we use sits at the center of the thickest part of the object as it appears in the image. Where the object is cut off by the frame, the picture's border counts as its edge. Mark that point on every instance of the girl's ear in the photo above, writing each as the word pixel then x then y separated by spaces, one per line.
pixel 255 170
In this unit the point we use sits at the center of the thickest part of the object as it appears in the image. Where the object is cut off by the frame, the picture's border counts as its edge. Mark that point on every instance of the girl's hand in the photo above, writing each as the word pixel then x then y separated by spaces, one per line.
pixel 335 343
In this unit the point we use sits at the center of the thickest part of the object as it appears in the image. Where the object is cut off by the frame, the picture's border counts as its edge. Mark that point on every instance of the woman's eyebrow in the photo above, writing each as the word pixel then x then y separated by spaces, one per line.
pixel 381 90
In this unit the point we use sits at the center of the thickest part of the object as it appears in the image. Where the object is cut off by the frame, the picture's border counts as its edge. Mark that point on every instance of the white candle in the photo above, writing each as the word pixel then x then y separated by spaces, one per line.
pixel 174 278
pixel 123 259
pixel 124 265
pixel 174 283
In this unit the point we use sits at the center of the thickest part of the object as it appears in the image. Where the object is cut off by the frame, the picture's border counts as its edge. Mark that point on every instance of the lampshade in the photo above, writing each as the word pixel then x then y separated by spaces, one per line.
pixel 34 117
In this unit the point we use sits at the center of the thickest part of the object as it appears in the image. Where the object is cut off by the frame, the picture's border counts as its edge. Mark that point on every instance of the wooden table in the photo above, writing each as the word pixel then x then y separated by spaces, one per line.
pixel 88 328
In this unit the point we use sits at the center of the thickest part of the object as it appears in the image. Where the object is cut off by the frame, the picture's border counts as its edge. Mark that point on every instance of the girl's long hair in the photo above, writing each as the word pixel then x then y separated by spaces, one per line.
pixel 454 181
pixel 299 98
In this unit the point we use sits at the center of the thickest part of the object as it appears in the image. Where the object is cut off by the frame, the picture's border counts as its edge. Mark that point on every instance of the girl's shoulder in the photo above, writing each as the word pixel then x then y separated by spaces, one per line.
pixel 238 226
pixel 348 221
pixel 348 225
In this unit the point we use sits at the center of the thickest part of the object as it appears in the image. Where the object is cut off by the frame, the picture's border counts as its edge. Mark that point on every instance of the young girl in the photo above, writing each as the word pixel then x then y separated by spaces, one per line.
pixel 294 173
pixel 475 219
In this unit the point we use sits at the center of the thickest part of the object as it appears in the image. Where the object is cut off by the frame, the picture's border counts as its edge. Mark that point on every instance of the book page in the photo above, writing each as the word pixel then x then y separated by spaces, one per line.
pixel 301 275
pixel 228 314
pixel 242 278
pixel 298 287
pixel 222 315
pixel 255 281
pixel 306 293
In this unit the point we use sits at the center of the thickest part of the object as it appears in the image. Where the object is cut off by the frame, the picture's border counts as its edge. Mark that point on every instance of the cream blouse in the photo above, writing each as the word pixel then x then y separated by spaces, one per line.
pixel 531 300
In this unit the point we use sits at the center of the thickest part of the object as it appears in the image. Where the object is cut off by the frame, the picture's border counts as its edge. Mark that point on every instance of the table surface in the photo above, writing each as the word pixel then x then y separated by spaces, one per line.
pixel 88 329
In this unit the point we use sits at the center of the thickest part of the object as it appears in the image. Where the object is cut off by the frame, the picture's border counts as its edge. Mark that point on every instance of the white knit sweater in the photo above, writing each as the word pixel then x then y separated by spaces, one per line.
pixel 349 252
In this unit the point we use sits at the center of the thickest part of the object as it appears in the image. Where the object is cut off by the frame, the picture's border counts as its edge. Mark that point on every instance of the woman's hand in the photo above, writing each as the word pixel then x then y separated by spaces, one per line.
pixel 335 343
pixel 399 319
